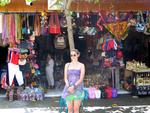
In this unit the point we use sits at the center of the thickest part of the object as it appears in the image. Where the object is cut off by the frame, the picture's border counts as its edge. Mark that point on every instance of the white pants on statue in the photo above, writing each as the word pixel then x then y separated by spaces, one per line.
pixel 14 71
pixel 49 75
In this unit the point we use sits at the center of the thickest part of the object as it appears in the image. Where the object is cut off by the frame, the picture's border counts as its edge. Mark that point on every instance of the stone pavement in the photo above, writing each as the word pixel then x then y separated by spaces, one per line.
pixel 121 104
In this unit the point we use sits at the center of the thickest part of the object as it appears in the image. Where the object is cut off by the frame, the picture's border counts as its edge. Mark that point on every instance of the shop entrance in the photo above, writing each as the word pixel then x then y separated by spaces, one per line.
pixel 3 64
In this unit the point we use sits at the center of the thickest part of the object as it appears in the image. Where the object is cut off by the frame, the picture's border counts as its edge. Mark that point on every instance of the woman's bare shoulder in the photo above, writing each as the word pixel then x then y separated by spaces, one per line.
pixel 67 64
pixel 81 64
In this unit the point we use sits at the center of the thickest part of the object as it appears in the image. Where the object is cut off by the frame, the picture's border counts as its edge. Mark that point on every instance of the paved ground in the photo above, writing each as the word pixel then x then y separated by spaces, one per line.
pixel 122 104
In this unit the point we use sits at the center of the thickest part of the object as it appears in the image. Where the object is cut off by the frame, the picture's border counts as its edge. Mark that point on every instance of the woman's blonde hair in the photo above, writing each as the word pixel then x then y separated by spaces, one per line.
pixel 76 51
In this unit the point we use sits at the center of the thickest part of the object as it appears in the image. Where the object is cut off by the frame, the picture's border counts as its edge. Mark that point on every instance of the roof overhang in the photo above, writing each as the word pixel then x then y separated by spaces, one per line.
pixel 80 6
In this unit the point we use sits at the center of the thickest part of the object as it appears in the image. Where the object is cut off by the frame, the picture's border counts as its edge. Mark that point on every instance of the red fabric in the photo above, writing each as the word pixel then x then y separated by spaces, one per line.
pixel 55 29
pixel 119 54
pixel 107 62
pixel 110 44
pixel 108 90
pixel 14 58
pixel 103 46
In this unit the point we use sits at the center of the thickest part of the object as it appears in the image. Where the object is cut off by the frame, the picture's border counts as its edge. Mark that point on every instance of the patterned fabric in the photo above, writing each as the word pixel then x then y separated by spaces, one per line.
pixel 73 76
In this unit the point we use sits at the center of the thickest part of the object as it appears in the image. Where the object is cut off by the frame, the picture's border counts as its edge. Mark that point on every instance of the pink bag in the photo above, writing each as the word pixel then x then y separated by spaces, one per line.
pixel 91 92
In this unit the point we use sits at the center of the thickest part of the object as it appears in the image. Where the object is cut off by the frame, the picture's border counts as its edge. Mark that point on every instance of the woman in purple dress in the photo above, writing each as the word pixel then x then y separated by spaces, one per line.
pixel 73 91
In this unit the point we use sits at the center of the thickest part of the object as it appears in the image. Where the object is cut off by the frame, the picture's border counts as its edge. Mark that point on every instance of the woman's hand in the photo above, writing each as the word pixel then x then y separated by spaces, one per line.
pixel 71 89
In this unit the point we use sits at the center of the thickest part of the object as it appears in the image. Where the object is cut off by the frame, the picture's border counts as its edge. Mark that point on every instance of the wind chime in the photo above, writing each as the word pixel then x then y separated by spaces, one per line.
pixel 44 18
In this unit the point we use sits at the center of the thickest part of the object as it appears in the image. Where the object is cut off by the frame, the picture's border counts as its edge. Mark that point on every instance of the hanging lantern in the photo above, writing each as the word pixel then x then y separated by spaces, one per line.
pixel 4 2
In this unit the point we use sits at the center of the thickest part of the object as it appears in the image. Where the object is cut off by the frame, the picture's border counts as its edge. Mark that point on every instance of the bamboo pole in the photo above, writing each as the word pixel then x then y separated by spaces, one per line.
pixel 69 24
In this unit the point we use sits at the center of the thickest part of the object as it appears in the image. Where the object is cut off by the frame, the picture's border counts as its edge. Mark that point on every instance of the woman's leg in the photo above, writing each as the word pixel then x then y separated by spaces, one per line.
pixel 51 78
pixel 48 78
pixel 77 104
pixel 70 106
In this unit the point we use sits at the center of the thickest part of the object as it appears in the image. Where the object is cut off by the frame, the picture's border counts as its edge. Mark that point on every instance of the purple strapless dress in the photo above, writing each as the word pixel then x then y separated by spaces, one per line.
pixel 73 77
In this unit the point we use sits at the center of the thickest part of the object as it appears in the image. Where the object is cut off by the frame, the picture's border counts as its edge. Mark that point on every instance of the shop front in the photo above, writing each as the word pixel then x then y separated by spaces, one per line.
pixel 108 41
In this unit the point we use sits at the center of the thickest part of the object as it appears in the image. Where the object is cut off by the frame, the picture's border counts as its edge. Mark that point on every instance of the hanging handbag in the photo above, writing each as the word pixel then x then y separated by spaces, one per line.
pixel 60 42
pixel 54 24
pixel 37 25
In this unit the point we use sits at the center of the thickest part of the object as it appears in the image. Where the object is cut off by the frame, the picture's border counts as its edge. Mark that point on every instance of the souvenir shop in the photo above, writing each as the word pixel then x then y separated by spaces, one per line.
pixel 114 47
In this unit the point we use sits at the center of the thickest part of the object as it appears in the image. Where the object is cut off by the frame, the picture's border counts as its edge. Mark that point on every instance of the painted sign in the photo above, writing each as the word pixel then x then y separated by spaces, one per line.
pixel 56 4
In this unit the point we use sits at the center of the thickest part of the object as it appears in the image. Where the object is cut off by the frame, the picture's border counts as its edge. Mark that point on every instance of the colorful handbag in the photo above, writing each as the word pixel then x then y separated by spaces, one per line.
pixel 54 24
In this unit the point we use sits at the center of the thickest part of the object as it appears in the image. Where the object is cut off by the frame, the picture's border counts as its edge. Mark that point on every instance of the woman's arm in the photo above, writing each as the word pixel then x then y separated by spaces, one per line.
pixel 82 74
pixel 65 75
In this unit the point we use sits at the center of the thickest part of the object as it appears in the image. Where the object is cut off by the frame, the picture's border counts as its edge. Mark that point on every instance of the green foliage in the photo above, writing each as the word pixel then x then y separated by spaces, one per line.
pixel 4 2
pixel 94 1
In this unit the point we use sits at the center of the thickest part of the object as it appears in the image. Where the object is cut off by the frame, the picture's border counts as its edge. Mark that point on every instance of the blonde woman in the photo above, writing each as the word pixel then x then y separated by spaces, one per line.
pixel 74 72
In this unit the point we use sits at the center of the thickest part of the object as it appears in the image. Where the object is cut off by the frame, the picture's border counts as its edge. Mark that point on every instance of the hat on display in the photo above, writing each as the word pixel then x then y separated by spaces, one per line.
pixel 22 61
pixel 36 66
pixel 103 54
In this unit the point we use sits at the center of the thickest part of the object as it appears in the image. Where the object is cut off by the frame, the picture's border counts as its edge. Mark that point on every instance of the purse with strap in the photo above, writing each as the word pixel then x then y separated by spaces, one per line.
pixel 60 42
pixel 54 24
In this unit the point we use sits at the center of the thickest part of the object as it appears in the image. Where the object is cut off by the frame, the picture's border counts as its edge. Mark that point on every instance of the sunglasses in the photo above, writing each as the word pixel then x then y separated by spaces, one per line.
pixel 73 55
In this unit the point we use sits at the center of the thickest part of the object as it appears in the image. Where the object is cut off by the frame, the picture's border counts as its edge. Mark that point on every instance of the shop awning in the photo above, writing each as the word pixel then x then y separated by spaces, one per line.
pixel 79 6
pixel 119 5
